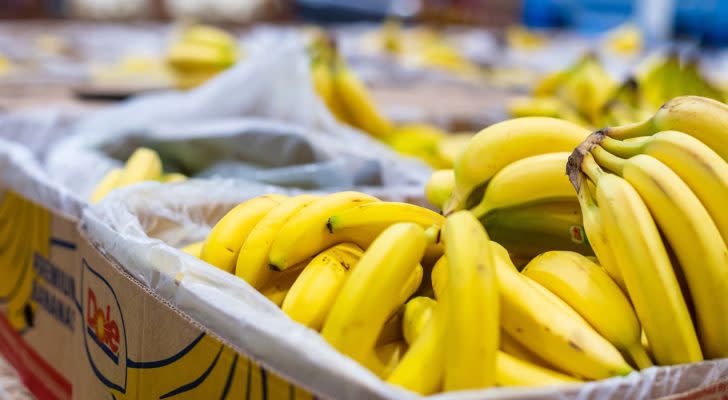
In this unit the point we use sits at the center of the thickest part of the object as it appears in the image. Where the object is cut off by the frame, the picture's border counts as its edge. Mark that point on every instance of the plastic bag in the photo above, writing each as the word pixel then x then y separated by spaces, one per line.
pixel 271 92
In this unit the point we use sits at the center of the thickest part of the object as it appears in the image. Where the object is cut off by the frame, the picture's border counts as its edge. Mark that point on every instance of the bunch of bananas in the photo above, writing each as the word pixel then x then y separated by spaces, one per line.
pixel 349 100
pixel 652 196
pixel 578 94
pixel 143 165
pixel 426 302
pixel 511 177
pixel 422 47
pixel 200 52
pixel 585 93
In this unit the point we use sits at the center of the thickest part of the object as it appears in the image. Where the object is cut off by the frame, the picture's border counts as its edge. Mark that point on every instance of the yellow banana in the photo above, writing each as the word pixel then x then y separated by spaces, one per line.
pixel 315 291
pixel 513 371
pixel 510 346
pixel 306 234
pixel 143 165
pixel 392 329
pixel 439 187
pixel 703 118
pixel 413 320
pixel 109 182
pixel 357 102
pixel 209 35
pixel 194 249
pixel 323 84
pixel 388 356
pixel 422 367
pixel 252 261
pixel 702 169
pixel 383 214
pixel 645 266
pixel 223 244
pixel 596 234
pixel 680 215
pixel 528 181
pixel 503 143
pixel 366 300
pixel 174 177
pixel 588 289
pixel 452 145
pixel 438 277
pixel 277 289
pixel 545 326
pixel 531 230
pixel 472 311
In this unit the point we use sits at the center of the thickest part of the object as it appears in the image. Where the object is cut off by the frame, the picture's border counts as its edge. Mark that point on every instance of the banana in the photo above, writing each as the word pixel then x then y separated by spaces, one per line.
pixel 510 346
pixel 392 329
pixel 531 230
pixel 513 371
pixel 366 300
pixel 174 177
pixel 252 261
pixel 472 311
pixel 528 181
pixel 587 288
pixel 452 145
pixel 208 35
pixel 439 187
pixel 388 356
pixel 418 140
pixel 194 249
pixel 702 169
pixel 596 234
pixel 703 118
pixel 143 165
pixel 323 84
pixel 438 277
pixel 417 313
pixel 545 326
pixel 279 286
pixel 503 143
pixel 356 100
pixel 223 244
pixel 109 182
pixel 702 259
pixel 421 369
pixel 197 57
pixel 645 266
pixel 382 214
pixel 306 234
pixel 314 292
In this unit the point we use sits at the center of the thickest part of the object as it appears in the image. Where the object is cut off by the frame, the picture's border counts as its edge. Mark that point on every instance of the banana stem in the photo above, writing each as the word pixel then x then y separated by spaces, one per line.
pixel 639 356
pixel 608 160
pixel 632 130
pixel 624 149
pixel 590 167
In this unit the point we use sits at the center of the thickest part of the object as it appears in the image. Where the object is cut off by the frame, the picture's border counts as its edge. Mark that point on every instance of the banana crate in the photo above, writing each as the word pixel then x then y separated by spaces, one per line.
pixel 141 232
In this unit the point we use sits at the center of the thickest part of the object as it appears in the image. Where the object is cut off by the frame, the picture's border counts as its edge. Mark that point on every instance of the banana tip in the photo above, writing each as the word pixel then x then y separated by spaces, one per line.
pixel 274 267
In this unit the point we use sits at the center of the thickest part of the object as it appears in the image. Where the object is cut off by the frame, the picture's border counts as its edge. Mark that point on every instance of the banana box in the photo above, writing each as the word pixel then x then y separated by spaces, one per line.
pixel 133 345
pixel 140 233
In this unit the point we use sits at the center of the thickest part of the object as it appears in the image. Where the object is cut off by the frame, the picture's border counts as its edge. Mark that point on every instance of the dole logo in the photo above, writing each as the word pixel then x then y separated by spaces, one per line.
pixel 104 330
pixel 101 326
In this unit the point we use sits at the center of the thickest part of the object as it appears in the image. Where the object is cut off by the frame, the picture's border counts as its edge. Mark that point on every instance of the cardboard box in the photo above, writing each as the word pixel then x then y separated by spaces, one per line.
pixel 76 326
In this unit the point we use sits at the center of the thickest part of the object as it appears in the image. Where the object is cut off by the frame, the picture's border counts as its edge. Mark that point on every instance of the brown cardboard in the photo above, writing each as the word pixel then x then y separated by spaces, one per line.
pixel 161 353
pixel 39 313
pixel 78 327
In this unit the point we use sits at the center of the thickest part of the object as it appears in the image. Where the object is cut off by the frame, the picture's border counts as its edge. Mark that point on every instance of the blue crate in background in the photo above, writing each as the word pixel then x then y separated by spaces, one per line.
pixel 705 20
